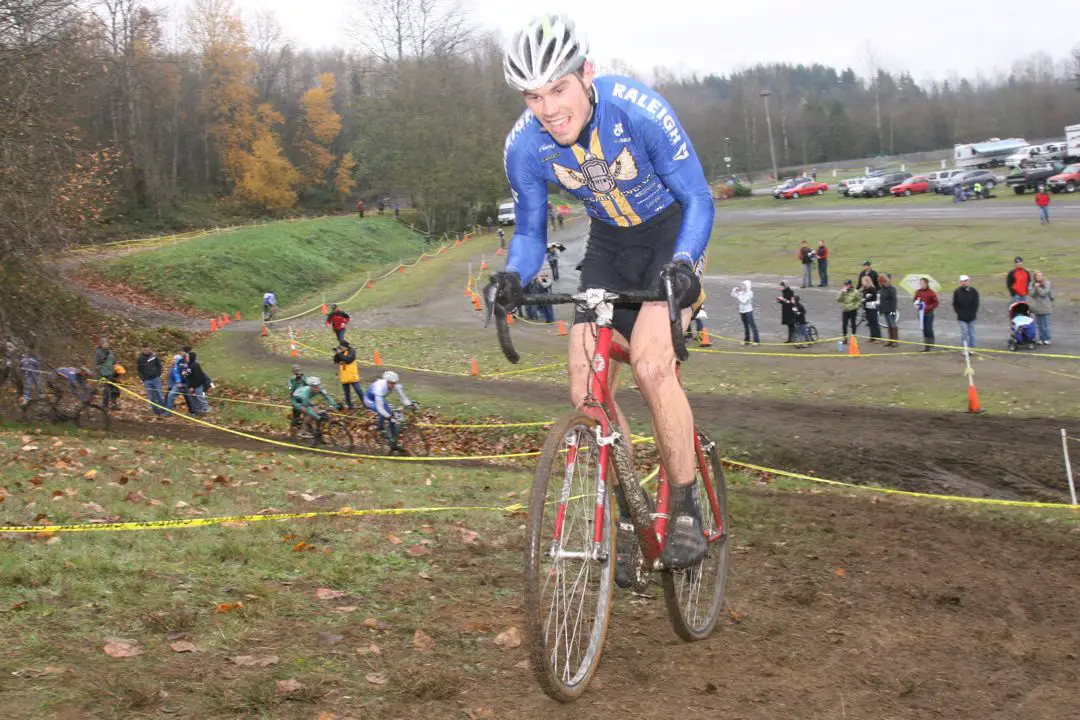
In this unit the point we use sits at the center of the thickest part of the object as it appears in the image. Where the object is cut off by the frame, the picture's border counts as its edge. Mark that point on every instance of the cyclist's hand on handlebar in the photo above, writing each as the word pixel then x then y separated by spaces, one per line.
pixel 413 407
pixel 505 289
pixel 685 283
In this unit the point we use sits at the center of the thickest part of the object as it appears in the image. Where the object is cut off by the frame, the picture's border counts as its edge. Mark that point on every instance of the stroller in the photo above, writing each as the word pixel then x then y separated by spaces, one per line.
pixel 1021 326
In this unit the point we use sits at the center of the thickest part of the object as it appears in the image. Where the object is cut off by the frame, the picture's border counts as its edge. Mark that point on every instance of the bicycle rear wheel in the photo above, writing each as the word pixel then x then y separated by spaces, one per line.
pixel 695 597
pixel 42 407
pixel 569 577
pixel 812 334
pixel 336 436
pixel 92 417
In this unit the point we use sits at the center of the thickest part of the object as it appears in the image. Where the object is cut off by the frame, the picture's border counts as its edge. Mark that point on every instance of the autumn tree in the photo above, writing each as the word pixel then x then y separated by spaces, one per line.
pixel 344 181
pixel 320 126
pixel 227 97
pixel 268 179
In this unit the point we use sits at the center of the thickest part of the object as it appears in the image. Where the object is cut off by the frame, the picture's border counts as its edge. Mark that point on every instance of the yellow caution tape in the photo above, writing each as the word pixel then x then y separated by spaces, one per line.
pixel 907 493
pixel 983 351
pixel 1028 367
pixel 817 356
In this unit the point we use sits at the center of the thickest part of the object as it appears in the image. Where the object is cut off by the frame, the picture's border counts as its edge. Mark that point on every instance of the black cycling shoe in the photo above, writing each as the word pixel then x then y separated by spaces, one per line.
pixel 626 546
pixel 685 545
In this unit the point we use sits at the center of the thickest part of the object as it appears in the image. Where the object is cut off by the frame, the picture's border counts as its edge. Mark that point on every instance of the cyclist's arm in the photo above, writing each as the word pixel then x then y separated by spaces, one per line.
pixel 405 401
pixel 381 407
pixel 331 401
pixel 677 164
pixel 528 246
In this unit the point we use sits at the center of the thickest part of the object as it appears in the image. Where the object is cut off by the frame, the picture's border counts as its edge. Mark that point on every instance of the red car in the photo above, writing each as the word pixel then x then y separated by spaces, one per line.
pixel 807 188
pixel 912 186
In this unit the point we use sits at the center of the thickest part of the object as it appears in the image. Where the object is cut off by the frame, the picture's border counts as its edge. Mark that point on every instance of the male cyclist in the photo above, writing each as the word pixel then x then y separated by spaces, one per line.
pixel 77 381
pixel 616 145
pixel 302 400
pixel 269 305
pixel 296 382
pixel 375 400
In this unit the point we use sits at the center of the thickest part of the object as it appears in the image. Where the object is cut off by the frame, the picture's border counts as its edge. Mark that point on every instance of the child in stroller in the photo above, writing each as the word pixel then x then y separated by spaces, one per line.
pixel 1021 326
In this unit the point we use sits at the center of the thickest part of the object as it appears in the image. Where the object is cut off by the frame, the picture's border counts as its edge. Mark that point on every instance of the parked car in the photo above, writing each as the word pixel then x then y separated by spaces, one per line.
pixel 1065 181
pixel 968 179
pixel 788 184
pixel 937 178
pixel 506 214
pixel 1032 176
pixel 912 186
pixel 843 185
pixel 882 186
pixel 807 188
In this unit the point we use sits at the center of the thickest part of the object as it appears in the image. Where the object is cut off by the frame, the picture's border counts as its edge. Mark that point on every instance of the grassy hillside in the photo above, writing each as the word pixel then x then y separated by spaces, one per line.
pixel 230 272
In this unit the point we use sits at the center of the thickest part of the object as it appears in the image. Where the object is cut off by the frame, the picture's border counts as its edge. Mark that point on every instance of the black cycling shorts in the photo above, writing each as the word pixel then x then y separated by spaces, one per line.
pixel 628 259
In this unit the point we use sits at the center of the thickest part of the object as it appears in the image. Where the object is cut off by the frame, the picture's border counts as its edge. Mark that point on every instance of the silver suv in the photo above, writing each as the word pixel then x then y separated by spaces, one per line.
pixel 941 177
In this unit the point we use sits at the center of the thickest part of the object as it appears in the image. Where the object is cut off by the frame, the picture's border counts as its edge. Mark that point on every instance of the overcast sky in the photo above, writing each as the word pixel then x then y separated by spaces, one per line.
pixel 929 40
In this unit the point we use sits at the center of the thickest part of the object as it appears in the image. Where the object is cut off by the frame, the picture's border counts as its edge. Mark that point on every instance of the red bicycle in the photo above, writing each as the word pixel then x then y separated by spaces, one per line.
pixel 571 550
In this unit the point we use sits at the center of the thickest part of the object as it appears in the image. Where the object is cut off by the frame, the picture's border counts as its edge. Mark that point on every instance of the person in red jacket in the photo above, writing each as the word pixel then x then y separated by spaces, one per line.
pixel 360 208
pixel 926 302
pixel 338 320
pixel 1042 201
pixel 1018 281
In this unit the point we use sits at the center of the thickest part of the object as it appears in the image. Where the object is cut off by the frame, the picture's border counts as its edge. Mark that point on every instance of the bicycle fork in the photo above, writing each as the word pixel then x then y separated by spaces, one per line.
pixel 597 552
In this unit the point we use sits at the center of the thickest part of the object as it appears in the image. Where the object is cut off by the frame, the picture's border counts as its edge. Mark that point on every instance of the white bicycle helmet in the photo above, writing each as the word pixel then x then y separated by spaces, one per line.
pixel 313 381
pixel 390 376
pixel 547 49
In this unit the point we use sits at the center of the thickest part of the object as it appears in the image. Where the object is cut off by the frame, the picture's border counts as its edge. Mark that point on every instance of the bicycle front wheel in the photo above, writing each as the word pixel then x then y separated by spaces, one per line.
pixel 569 560
pixel 337 436
pixel 695 596
pixel 92 417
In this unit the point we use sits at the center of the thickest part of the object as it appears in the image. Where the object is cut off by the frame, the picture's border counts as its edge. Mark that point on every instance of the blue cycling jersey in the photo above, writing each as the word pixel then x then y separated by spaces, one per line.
pixel 638 162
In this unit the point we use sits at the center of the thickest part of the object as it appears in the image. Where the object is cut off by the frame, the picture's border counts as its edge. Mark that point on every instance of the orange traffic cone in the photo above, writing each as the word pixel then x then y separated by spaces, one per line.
pixel 562 328
pixel 325 309
pixel 704 341
pixel 973 399
pixel 499 251
pixel 225 318
pixel 213 325
pixel 476 303
pixel 466 236
pixel 483 265
pixel 370 284
pixel 475 369
pixel 401 268
pixel 378 358
pixel 264 332
pixel 237 314
pixel 293 352
pixel 509 318
pixel 853 345
pixel 457 243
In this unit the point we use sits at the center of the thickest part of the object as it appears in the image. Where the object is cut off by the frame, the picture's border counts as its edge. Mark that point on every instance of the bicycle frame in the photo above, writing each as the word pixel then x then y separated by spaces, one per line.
pixel 599 406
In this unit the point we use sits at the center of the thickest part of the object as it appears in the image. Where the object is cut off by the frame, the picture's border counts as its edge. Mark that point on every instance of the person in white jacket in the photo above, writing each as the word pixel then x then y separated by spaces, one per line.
pixel 745 296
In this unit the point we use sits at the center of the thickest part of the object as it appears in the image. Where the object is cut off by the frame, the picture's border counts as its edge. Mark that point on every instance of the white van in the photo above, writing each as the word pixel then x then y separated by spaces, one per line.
pixel 506 214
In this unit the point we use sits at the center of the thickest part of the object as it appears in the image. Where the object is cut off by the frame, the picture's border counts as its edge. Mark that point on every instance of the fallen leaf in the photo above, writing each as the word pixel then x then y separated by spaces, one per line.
pixel 423 642
pixel 328 594
pixel 228 607
pixel 329 639
pixel 424 576
pixel 254 661
pixel 840 572
pixel 135 496
pixel 417 551
pixel 309 498
pixel 94 507
pixel 347 609
pixel 736 616
pixel 524 664
pixel 121 648
pixel 49 670
pixel 509 638
pixel 479 713
pixel 376 678
pixel 373 624
pixel 18 606
pixel 394 539
pixel 469 537
pixel 291 685
pixel 327 716
pixel 474 627
pixel 183 646
pixel 28 448
pixel 90 474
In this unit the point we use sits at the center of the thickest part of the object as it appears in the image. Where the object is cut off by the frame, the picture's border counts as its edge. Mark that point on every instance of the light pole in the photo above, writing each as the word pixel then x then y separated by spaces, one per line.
pixel 727 155
pixel 768 122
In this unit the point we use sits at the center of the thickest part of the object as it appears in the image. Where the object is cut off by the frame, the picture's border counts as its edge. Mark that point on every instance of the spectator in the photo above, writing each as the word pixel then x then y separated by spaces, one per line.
pixel 382 206
pixel 867 271
pixel 178 382
pixel 697 322
pixel 822 254
pixel 887 308
pixel 489 223
pixel 745 296
pixel 198 382
pixel 869 296
pixel 787 310
pixel 965 301
pixel 360 208
pixel 551 214
pixel 543 286
pixel 31 370
pixel 553 261
pixel 849 300
pixel 1042 201
pixel 149 367
pixel 1018 280
pixel 806 257
pixel 1042 296
pixel 348 373
pixel 338 320
pixel 502 239
pixel 926 302
pixel 397 210
pixel 105 369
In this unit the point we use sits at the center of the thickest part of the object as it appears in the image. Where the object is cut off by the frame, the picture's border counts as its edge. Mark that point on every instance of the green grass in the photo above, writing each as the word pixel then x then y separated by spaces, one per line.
pixel 230 272
pixel 943 249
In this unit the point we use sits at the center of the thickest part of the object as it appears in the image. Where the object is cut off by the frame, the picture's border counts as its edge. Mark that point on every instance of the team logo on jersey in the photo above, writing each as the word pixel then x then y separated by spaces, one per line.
pixel 597 174
pixel 618 129
pixel 682 154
